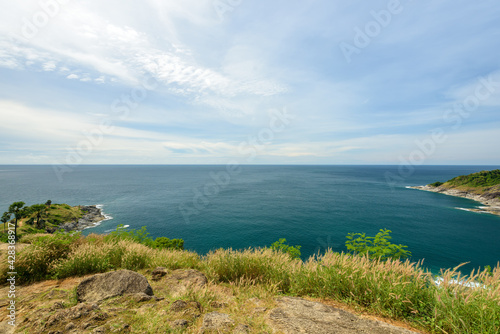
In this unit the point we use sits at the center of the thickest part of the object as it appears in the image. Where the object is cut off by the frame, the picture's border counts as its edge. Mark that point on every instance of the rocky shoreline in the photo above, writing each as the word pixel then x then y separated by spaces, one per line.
pixel 92 217
pixel 491 205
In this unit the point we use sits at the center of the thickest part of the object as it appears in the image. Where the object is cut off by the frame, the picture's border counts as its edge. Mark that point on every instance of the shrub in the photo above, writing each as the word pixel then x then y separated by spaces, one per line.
pixel 281 246
pixel 436 184
pixel 376 247
pixel 166 243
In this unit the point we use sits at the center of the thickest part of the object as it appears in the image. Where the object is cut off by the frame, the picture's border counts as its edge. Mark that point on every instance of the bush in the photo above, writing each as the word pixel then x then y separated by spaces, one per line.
pixel 377 246
pixel 141 236
pixel 166 243
pixel 281 246
pixel 436 184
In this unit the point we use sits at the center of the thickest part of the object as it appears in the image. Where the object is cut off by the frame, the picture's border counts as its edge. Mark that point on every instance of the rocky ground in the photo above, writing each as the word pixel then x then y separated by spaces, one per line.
pixel 491 204
pixel 92 216
pixel 179 301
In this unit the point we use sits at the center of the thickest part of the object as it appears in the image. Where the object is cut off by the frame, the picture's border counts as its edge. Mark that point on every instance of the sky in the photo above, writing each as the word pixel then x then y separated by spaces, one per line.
pixel 249 82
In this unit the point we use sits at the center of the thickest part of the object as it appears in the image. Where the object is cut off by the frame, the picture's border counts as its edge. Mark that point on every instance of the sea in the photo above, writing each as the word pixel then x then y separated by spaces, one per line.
pixel 231 206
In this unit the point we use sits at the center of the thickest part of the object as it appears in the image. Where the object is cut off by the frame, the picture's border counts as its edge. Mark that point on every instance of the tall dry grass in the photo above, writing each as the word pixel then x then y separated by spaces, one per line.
pixel 399 289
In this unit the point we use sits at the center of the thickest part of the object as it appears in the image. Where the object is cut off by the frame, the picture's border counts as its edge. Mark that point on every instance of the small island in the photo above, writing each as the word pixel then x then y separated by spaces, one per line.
pixel 483 187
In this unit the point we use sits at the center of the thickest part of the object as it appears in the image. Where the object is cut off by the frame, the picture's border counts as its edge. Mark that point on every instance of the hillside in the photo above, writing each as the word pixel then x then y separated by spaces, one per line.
pixel 484 183
pixel 483 187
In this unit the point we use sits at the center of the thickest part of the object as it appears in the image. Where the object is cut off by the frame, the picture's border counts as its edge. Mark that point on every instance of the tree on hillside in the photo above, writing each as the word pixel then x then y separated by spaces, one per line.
pixel 48 204
pixel 5 219
pixel 38 210
pixel 19 211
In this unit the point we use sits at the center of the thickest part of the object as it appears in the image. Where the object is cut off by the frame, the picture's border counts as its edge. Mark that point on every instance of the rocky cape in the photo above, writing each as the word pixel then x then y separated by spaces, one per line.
pixel 491 203
pixel 92 217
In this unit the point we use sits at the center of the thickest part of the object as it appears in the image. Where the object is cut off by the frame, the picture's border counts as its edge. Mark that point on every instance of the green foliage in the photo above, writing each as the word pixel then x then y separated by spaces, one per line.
pixel 480 179
pixel 166 243
pixel 281 246
pixel 376 247
pixel 34 262
pixel 141 236
pixel 436 184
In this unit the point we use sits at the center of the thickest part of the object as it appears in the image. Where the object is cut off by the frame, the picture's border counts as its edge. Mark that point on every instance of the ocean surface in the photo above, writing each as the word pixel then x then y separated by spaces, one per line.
pixel 249 206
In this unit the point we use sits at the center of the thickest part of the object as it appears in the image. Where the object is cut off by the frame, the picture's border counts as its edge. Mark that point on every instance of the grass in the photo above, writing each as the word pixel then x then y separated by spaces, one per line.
pixel 397 289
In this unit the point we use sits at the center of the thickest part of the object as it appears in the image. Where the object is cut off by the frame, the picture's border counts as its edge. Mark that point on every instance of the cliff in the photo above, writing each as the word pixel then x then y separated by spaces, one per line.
pixel 483 187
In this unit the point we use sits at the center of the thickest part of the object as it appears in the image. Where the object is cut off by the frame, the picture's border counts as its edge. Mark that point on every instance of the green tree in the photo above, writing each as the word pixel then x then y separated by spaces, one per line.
pixel 38 210
pixel 48 204
pixel 5 219
pixel 19 211
pixel 376 247
pixel 166 243
pixel 281 246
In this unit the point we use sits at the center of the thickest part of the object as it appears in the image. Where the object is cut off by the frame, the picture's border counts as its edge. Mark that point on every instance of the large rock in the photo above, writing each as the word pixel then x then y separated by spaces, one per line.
pixel 116 283
pixel 180 281
pixel 297 315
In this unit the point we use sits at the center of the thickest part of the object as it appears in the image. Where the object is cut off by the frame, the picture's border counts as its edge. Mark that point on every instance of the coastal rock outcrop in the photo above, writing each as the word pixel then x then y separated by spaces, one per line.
pixel 91 217
pixel 116 283
pixel 297 315
pixel 490 200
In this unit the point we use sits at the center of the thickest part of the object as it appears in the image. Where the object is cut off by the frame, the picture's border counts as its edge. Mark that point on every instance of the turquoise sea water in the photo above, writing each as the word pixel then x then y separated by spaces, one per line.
pixel 311 206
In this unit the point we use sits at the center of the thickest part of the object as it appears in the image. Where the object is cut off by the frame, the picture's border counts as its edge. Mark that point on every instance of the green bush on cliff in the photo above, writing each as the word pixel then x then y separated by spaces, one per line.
pixel 142 236
pixel 480 179
pixel 281 246
pixel 376 247
pixel 436 184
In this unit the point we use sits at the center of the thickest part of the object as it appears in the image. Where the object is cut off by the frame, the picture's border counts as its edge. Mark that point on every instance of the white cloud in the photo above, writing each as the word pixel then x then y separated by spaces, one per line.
pixel 73 76
pixel 49 66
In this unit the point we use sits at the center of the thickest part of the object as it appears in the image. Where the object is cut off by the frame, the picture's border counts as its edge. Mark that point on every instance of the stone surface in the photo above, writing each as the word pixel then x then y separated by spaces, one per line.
pixel 216 321
pixel 180 323
pixel 158 273
pixel 116 283
pixel 297 315
pixel 181 281
pixel 241 329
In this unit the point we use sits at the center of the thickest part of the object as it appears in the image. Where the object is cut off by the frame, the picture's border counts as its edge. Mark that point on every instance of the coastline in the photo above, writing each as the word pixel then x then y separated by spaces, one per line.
pixel 490 205
pixel 92 218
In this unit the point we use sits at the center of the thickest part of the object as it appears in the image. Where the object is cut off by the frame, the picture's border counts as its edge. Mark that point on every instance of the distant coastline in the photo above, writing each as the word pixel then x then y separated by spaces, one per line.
pixel 490 205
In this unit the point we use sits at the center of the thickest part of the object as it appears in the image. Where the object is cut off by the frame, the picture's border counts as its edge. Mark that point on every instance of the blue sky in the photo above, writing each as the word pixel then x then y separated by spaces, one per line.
pixel 280 82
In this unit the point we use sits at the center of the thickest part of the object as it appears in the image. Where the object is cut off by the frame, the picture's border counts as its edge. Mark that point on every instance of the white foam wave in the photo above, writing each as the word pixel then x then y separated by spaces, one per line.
pixel 440 280
pixel 113 229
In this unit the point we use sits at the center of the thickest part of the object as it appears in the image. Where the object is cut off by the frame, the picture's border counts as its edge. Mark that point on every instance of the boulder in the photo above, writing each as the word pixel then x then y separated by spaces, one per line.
pixel 297 315
pixel 116 283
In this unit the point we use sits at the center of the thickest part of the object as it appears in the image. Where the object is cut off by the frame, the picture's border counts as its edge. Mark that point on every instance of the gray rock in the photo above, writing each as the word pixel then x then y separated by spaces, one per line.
pixel 297 315
pixel 180 323
pixel 216 321
pixel 116 283
pixel 158 273
pixel 242 329
pixel 181 281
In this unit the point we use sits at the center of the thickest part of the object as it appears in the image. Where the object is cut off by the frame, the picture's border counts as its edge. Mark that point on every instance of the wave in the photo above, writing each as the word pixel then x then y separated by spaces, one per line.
pixel 440 280
pixel 472 210
pixel 113 229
